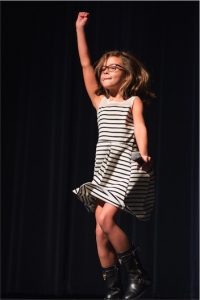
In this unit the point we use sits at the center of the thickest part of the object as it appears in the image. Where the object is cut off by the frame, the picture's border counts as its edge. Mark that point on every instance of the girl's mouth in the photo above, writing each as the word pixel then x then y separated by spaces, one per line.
pixel 107 79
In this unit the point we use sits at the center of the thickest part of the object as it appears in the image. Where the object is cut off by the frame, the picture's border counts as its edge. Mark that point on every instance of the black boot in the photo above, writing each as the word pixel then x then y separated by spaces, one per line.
pixel 138 280
pixel 112 279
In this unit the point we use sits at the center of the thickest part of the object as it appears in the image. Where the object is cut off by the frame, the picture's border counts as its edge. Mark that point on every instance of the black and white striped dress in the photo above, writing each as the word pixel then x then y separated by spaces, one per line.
pixel 116 179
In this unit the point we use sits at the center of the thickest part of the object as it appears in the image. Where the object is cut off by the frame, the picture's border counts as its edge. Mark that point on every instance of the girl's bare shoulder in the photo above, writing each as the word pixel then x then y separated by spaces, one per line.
pixel 137 99
pixel 137 103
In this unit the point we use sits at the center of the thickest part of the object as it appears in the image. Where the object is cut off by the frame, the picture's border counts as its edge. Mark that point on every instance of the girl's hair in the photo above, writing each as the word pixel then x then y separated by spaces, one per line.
pixel 138 83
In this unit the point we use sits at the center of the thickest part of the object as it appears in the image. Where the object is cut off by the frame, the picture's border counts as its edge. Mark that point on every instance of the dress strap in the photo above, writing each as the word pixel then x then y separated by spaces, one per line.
pixel 101 101
pixel 132 100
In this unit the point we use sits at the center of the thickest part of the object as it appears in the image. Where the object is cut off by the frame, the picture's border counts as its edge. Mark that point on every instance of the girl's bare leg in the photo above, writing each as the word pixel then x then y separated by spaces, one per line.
pixel 106 253
pixel 105 218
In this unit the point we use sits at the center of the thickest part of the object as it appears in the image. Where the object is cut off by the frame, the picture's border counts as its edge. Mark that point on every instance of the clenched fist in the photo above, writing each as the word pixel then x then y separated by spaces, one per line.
pixel 82 19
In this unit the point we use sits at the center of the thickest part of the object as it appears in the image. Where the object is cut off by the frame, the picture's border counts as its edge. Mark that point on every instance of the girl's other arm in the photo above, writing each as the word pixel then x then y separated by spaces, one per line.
pixel 140 128
pixel 85 60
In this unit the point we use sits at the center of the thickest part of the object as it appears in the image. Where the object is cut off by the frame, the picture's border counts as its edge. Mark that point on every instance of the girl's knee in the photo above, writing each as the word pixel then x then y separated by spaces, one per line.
pixel 100 234
pixel 105 222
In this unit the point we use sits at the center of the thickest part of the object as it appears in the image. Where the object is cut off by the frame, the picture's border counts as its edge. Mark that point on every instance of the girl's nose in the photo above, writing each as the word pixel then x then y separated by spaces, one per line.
pixel 106 70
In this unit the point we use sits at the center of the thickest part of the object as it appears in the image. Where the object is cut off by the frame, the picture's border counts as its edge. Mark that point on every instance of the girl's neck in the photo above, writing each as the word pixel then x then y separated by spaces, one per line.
pixel 115 96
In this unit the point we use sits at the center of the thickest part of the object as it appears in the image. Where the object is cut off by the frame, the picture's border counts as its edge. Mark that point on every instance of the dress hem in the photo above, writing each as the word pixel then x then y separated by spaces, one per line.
pixel 89 199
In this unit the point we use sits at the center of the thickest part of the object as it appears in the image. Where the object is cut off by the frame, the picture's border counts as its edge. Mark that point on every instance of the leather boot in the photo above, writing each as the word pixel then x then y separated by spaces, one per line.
pixel 138 280
pixel 112 278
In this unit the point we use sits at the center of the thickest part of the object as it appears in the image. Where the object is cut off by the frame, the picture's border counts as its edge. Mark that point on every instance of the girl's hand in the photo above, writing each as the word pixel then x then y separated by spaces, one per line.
pixel 147 165
pixel 146 158
pixel 82 19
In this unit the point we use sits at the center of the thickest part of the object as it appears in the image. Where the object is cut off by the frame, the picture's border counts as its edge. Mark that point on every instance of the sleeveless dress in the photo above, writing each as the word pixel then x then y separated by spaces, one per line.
pixel 116 177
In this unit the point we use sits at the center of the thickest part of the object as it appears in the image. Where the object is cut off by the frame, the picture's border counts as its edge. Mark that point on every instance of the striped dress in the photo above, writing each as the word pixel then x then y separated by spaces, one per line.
pixel 116 178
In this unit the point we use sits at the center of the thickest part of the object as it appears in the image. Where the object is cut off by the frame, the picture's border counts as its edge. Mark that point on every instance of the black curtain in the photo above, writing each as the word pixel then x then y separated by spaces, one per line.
pixel 49 134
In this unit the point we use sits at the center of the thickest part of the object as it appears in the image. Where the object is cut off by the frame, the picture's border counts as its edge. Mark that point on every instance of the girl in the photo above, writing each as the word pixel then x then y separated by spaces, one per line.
pixel 123 176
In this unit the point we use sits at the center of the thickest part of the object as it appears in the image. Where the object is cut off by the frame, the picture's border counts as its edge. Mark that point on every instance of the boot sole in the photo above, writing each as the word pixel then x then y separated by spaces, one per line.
pixel 139 295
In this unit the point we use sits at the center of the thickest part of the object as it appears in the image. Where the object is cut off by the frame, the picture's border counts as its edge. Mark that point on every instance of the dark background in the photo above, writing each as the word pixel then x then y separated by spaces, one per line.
pixel 49 134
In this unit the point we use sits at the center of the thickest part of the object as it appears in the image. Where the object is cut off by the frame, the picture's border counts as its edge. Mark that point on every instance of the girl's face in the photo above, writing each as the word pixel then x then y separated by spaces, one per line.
pixel 113 74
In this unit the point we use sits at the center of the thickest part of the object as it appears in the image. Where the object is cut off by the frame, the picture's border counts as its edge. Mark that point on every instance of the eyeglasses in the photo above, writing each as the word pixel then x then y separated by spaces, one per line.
pixel 112 68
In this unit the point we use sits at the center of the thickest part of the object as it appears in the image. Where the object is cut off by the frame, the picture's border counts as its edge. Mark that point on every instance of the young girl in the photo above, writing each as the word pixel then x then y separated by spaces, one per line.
pixel 123 175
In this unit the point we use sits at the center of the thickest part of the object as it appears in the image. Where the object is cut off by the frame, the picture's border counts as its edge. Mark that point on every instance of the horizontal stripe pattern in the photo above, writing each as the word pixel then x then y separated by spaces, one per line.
pixel 116 178
pixel 115 121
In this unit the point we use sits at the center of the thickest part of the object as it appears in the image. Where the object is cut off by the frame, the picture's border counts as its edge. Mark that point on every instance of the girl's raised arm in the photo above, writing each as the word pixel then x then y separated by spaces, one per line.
pixel 88 70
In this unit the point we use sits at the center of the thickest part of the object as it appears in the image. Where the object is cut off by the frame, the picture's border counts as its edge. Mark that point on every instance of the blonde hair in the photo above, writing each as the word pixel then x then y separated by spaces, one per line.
pixel 138 82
